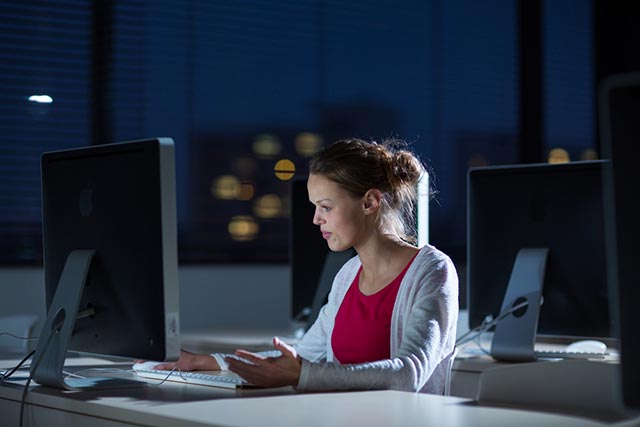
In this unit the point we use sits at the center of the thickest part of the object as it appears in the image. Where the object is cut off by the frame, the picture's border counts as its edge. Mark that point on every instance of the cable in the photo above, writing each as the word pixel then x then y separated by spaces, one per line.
pixel 486 325
pixel 35 368
pixel 77 373
pixel 7 375
pixel 20 338
pixel 118 370
pixel 167 377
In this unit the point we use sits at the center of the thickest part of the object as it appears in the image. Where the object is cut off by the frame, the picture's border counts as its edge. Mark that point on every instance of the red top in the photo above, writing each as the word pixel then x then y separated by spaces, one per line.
pixel 362 328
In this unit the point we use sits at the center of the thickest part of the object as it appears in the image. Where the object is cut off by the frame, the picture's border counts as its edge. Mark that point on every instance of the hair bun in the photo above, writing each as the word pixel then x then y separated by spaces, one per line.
pixel 407 168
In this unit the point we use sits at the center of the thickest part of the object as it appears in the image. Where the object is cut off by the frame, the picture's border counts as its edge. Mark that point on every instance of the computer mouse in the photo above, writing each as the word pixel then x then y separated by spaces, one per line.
pixel 587 346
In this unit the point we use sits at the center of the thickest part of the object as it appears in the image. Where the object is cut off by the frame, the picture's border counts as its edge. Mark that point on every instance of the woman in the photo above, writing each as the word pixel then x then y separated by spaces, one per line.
pixel 390 320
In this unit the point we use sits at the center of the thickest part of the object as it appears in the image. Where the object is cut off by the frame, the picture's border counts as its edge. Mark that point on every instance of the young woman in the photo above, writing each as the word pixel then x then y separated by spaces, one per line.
pixel 390 320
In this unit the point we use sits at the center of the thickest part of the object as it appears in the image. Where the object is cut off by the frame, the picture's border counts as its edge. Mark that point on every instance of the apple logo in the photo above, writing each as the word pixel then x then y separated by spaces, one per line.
pixel 86 201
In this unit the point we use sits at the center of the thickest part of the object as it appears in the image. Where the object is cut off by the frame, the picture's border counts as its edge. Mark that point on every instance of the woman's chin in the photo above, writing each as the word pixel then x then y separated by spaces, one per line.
pixel 335 247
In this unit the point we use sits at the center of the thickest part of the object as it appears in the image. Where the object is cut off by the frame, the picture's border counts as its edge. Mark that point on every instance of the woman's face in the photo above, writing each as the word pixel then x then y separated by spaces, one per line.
pixel 340 216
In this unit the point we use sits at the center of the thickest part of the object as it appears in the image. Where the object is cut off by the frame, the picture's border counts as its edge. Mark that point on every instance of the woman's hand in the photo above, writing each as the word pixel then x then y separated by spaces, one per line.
pixel 278 371
pixel 191 362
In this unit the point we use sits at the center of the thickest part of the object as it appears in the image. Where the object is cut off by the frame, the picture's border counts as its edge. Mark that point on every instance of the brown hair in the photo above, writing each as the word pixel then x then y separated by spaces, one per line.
pixel 357 166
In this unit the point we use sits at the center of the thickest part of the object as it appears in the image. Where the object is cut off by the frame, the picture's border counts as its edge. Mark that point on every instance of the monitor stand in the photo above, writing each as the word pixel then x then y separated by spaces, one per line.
pixel 51 351
pixel 515 334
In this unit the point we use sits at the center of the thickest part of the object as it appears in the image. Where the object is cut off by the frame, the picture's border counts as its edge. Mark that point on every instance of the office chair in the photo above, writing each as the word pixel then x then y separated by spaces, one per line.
pixel 449 374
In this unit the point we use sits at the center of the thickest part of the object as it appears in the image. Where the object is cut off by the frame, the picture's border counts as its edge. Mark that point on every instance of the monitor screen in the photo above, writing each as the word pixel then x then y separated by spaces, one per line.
pixel 620 127
pixel 110 251
pixel 554 206
pixel 307 250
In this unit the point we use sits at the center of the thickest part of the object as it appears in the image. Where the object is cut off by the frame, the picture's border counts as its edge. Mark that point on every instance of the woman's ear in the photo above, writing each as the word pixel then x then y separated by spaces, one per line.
pixel 371 201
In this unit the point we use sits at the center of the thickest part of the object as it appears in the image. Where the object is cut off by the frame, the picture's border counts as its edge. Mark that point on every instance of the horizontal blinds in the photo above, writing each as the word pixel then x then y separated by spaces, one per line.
pixel 126 70
pixel 45 51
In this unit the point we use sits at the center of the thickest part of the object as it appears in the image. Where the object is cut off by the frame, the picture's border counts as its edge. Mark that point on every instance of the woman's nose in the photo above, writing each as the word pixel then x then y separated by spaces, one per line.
pixel 317 219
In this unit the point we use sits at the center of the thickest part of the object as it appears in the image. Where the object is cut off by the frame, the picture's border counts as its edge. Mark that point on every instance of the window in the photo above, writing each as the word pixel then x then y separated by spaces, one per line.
pixel 44 106
pixel 248 89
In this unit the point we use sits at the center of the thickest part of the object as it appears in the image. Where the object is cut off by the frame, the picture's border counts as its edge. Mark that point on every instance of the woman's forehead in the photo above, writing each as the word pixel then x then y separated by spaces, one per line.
pixel 320 187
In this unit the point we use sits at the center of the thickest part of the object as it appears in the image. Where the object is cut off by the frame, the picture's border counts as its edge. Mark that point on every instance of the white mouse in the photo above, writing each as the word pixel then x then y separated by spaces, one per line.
pixel 145 366
pixel 587 346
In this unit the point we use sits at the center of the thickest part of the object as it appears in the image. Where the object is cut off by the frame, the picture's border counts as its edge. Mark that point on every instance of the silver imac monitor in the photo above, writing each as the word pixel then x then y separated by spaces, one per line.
pixel 110 257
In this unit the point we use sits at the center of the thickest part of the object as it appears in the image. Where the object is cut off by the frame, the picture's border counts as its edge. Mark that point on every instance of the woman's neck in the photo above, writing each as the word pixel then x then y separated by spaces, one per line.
pixel 382 261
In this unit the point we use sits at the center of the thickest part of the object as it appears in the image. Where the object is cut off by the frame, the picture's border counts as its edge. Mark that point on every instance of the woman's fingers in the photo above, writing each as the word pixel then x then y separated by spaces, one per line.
pixel 284 348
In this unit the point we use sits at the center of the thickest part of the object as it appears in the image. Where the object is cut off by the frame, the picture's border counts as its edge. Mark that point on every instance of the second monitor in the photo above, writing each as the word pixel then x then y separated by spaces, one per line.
pixel 554 206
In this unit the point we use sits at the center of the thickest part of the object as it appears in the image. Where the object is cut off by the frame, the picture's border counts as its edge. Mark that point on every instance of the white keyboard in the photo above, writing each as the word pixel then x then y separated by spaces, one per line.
pixel 226 379
pixel 563 354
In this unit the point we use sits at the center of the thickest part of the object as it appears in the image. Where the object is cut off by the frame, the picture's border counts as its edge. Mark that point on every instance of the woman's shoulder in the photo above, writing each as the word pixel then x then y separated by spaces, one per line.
pixel 431 255
pixel 433 264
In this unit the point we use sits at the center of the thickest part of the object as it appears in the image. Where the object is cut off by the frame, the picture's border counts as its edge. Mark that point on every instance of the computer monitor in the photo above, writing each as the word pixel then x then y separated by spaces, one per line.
pixel 110 257
pixel 554 206
pixel 620 139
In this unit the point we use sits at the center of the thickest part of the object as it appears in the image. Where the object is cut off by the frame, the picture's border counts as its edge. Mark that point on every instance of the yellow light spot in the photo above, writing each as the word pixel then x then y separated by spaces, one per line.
pixel 243 228
pixel 268 206
pixel 558 155
pixel 225 187
pixel 308 143
pixel 266 145
pixel 284 169
pixel 589 154
pixel 246 191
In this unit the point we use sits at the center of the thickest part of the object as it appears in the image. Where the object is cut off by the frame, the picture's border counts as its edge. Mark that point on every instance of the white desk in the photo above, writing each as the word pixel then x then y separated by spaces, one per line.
pixel 471 362
pixel 186 405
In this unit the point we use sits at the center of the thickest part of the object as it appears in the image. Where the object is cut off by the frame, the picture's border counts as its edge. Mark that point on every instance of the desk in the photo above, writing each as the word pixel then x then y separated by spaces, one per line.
pixel 472 361
pixel 173 404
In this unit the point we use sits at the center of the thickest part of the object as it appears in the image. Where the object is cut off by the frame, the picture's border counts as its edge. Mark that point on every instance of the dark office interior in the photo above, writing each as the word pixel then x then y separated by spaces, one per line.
pixel 249 90
pixel 240 86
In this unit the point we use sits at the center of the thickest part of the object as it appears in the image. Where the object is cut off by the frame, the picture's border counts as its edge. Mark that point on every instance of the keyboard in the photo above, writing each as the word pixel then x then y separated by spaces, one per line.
pixel 563 354
pixel 225 379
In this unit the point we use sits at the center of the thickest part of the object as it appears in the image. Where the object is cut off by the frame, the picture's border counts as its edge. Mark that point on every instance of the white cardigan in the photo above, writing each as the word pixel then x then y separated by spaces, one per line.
pixel 423 333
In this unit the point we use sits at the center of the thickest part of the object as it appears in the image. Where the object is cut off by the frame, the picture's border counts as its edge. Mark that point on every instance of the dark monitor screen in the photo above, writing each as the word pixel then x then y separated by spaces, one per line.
pixel 307 250
pixel 312 263
pixel 554 206
pixel 620 127
pixel 110 241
